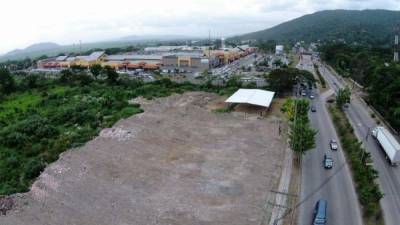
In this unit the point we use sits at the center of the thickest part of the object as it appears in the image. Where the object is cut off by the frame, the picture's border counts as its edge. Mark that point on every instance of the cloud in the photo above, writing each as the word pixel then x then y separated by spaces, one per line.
pixel 65 22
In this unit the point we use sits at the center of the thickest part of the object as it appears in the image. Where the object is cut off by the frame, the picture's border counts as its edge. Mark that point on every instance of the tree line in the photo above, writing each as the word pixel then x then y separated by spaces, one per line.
pixel 301 135
pixel 372 67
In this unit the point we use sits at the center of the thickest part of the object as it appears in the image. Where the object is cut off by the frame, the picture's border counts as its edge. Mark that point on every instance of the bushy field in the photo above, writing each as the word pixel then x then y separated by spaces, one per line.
pixel 40 120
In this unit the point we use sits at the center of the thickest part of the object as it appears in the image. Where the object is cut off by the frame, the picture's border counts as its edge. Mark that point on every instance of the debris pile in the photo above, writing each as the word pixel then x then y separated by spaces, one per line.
pixel 117 133
pixel 6 203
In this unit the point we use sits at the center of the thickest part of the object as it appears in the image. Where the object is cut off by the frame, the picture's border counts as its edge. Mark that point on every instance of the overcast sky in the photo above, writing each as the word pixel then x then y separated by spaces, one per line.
pixel 24 22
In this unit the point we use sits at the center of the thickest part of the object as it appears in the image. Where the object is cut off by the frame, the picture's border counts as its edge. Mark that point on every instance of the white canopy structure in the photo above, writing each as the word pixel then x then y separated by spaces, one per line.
pixel 252 96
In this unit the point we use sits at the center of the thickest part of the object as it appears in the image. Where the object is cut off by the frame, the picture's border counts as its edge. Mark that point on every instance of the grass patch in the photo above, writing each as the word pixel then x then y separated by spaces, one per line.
pixel 363 173
pixel 320 77
pixel 222 110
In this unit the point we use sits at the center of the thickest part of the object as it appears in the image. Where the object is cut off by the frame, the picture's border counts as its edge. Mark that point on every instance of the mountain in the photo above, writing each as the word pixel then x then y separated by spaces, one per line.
pixel 33 48
pixel 52 49
pixel 362 26
pixel 157 38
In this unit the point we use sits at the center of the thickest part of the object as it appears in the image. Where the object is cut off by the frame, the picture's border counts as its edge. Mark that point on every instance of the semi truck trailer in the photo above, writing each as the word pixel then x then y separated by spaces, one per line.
pixel 389 144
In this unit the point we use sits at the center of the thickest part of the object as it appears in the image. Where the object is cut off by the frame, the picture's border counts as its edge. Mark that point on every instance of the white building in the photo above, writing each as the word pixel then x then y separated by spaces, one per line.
pixel 279 50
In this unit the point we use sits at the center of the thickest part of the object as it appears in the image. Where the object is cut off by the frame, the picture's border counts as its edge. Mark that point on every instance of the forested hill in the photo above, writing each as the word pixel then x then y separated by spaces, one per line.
pixel 366 26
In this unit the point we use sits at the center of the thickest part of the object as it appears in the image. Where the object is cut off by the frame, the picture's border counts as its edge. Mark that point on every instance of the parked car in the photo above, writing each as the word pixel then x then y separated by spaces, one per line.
pixel 320 212
pixel 312 96
pixel 333 144
pixel 313 109
pixel 328 161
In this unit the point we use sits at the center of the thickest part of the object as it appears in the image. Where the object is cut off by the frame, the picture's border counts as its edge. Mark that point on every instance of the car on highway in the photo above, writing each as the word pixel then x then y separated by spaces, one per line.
pixel 328 161
pixel 334 145
pixel 320 214
pixel 313 109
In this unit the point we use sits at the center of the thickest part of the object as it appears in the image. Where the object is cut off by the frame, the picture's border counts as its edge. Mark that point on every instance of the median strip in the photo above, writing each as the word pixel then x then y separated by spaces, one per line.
pixel 360 163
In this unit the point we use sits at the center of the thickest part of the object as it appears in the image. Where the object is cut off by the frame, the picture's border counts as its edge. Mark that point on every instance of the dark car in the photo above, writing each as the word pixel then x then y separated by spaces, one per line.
pixel 333 144
pixel 313 109
pixel 319 216
pixel 328 161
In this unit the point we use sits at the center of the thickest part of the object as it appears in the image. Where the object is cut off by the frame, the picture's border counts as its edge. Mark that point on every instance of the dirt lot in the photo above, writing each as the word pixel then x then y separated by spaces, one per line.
pixel 176 164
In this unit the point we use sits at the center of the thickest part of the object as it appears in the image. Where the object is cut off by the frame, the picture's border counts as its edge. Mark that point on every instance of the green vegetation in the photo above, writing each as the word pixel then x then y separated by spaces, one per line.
pixel 373 68
pixel 364 175
pixel 343 97
pixel 366 26
pixel 40 118
pixel 283 80
pixel 7 83
pixel 301 136
pixel 320 77
pixel 222 110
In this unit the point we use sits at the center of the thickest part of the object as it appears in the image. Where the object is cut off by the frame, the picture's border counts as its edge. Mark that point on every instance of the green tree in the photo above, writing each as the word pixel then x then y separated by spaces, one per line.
pixel 96 70
pixel 112 75
pixel 282 80
pixel 66 76
pixel 30 81
pixel 7 82
pixel 343 97
pixel 277 63
pixel 301 136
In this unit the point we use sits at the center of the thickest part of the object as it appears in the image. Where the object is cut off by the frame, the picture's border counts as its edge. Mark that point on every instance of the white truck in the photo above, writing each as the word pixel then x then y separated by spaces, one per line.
pixel 388 143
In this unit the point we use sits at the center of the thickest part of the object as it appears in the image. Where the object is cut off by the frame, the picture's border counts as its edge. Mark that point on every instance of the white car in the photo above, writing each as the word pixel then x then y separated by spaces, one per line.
pixel 333 144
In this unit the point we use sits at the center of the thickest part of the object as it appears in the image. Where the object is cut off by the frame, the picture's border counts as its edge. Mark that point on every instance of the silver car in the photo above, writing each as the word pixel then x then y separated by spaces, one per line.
pixel 333 144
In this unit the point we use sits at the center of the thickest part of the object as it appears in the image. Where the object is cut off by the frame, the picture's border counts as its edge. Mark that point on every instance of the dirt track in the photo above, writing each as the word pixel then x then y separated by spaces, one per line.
pixel 176 164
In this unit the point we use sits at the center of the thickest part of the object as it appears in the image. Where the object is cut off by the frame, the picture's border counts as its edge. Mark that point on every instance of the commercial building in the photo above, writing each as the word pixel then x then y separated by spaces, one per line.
pixel 184 60
pixel 227 55
pixel 163 57
pixel 64 62
pixel 132 62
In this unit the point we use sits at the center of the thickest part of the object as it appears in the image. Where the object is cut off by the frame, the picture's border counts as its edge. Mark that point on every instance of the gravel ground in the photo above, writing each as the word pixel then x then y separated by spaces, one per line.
pixel 176 164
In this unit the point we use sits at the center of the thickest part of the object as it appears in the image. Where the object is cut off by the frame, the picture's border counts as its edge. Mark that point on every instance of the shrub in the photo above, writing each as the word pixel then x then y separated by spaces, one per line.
pixel 33 168
pixel 129 111
pixel 222 110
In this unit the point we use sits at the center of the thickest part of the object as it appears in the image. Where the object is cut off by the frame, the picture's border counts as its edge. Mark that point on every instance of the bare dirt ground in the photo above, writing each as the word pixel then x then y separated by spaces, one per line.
pixel 178 163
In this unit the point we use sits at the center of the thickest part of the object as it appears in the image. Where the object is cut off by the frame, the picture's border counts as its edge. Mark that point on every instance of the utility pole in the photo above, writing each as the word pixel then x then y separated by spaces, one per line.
pixel 209 50
pixel 80 47
pixel 396 44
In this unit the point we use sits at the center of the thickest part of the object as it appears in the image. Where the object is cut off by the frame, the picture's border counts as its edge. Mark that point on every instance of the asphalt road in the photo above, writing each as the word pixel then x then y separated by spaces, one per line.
pixel 343 207
pixel 389 177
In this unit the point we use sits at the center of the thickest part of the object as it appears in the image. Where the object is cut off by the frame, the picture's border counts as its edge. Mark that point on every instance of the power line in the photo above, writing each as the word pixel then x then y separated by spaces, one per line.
pixel 310 195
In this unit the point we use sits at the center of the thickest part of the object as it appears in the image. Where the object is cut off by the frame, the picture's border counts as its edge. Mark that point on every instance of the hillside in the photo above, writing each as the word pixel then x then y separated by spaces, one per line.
pixel 33 48
pixel 51 49
pixel 366 26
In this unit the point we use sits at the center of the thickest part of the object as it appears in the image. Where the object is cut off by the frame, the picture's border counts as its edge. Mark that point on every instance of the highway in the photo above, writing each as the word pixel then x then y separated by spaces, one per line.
pixel 389 177
pixel 343 206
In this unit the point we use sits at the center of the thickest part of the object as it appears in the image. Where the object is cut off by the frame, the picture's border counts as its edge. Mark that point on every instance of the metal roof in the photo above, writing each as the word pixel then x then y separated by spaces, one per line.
pixel 252 96
pixel 61 58
pixel 95 55
pixel 133 57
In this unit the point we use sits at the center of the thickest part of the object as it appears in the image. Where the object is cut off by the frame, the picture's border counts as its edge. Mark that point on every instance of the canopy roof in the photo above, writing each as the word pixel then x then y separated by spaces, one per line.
pixel 252 96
